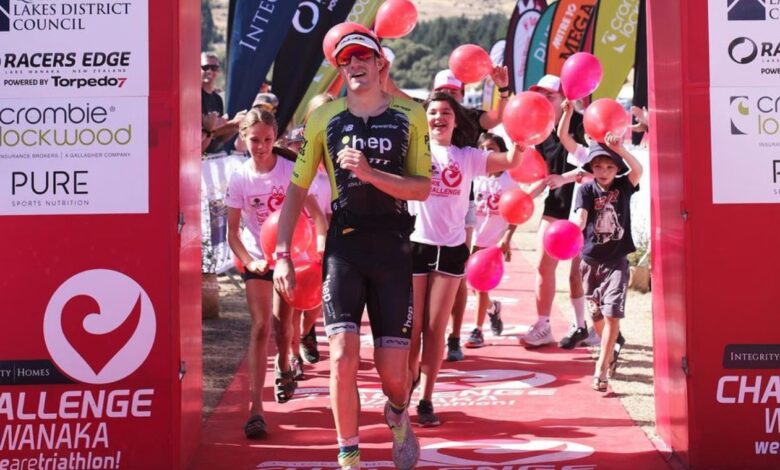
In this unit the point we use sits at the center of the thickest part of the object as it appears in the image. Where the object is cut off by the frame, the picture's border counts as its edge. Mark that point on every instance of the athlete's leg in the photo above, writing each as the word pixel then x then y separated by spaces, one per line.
pixel 295 336
pixel 545 273
pixel 420 289
pixel 344 399
pixel 258 297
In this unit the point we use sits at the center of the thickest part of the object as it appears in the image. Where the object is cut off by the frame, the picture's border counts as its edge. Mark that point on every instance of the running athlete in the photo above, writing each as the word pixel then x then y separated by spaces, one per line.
pixel 439 248
pixel 375 149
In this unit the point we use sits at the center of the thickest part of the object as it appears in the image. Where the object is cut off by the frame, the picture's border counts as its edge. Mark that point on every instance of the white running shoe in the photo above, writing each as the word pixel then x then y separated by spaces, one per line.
pixel 539 335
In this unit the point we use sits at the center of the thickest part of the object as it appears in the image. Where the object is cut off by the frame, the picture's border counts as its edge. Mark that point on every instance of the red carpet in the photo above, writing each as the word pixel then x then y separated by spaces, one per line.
pixel 503 407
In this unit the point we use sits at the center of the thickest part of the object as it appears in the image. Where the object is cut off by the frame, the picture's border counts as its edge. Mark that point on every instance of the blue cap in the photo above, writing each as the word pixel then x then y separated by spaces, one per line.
pixel 602 150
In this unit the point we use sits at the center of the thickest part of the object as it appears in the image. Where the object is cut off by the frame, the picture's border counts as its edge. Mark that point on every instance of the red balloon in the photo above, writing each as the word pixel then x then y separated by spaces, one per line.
pixel 532 167
pixel 334 35
pixel 581 75
pixel 605 116
pixel 302 237
pixel 308 286
pixel 485 269
pixel 529 118
pixel 515 206
pixel 470 63
pixel 395 19
pixel 563 240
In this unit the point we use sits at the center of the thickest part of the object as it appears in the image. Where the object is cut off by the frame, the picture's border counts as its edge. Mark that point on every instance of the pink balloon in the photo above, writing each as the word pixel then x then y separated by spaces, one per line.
pixel 470 63
pixel 581 75
pixel 563 240
pixel 605 116
pixel 395 19
pixel 485 269
pixel 529 118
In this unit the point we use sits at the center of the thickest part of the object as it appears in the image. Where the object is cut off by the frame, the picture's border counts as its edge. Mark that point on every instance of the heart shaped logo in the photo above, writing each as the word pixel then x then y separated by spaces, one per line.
pixel 492 201
pixel 99 326
pixel 276 199
pixel 451 176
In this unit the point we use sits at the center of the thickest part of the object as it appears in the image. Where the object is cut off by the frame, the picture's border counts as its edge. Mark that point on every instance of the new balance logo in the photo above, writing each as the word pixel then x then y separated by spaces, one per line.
pixel 746 10
pixel 5 15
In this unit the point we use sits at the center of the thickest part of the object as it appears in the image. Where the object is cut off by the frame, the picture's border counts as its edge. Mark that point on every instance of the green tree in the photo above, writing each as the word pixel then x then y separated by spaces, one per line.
pixel 208 33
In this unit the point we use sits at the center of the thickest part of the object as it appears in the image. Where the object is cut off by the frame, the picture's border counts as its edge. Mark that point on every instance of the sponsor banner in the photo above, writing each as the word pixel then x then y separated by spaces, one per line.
pixel 614 43
pixel 518 39
pixel 745 136
pixel 258 29
pixel 86 386
pixel 301 53
pixel 566 32
pixel 48 49
pixel 744 44
pixel 74 156
pixel 363 12
pixel 751 356
pixel 508 454
pixel 537 50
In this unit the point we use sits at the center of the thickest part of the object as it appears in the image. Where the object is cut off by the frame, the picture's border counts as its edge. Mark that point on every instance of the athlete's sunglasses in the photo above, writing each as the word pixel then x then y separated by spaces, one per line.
pixel 212 67
pixel 362 54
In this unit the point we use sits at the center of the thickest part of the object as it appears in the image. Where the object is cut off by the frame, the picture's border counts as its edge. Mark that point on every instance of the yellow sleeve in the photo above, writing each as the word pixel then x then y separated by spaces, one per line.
pixel 418 160
pixel 311 151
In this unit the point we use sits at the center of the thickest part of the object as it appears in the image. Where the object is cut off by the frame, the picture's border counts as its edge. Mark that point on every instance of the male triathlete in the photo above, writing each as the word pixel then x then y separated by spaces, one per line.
pixel 375 148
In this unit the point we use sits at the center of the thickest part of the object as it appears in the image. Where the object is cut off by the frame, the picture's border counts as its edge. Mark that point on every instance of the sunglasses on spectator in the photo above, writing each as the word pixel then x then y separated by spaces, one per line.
pixel 362 54
pixel 212 67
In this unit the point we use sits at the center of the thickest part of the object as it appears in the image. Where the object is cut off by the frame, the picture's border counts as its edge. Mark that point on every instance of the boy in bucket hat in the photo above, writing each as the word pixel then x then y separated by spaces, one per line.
pixel 603 211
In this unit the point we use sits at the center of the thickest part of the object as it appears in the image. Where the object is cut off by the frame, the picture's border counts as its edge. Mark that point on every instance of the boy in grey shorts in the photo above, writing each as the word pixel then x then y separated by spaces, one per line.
pixel 603 211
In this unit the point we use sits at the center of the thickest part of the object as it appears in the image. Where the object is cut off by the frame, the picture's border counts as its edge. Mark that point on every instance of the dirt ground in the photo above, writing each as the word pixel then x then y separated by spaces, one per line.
pixel 225 339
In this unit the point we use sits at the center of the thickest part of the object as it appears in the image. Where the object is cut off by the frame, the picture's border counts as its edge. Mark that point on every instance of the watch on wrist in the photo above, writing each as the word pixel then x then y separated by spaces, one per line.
pixel 282 255
pixel 504 89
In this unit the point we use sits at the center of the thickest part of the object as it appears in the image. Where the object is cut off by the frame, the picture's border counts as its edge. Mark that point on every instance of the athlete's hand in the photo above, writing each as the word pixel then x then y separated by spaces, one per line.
pixel 257 266
pixel 567 107
pixel 284 278
pixel 614 142
pixel 500 76
pixel 640 114
pixel 506 248
pixel 354 161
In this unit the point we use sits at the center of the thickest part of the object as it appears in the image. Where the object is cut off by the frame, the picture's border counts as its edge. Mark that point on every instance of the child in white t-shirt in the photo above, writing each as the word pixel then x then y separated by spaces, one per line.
pixel 255 191
pixel 491 230
pixel 439 253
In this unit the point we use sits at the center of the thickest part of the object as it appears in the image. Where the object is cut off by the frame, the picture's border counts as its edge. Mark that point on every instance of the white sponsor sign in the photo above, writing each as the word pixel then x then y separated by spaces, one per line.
pixel 744 42
pixel 74 156
pixel 67 49
pixel 745 133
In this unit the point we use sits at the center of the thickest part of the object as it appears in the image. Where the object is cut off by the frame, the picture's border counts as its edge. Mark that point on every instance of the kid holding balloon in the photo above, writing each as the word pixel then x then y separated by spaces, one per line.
pixel 439 251
pixel 491 230
pixel 603 211
pixel 254 192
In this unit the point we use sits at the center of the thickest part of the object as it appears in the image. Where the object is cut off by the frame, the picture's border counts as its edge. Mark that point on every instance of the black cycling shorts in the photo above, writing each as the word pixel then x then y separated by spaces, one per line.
pixel 450 260
pixel 370 269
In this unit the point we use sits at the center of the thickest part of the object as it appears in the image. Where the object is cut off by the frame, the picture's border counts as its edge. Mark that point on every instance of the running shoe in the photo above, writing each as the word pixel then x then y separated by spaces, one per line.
pixel 539 335
pixel 425 416
pixel 476 340
pixel 308 347
pixel 574 337
pixel 406 447
pixel 454 353
pixel 496 323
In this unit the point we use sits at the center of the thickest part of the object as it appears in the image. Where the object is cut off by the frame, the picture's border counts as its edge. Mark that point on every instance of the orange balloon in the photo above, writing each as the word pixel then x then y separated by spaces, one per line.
pixel 334 35
pixel 308 286
pixel 470 63
pixel 529 118
pixel 515 206
pixel 395 19
pixel 532 167
pixel 605 116
pixel 302 237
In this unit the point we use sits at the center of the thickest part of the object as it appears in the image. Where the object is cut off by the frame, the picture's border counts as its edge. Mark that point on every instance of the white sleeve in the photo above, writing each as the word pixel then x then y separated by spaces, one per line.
pixel 579 157
pixel 478 162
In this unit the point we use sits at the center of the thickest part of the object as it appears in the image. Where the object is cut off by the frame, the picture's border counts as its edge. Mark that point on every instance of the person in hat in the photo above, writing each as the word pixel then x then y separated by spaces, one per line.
pixel 557 206
pixel 266 101
pixel 603 211
pixel 375 150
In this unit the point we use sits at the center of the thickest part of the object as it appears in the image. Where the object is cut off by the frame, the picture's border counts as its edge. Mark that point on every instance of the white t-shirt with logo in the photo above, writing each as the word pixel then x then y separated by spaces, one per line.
pixel 487 192
pixel 257 195
pixel 441 218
